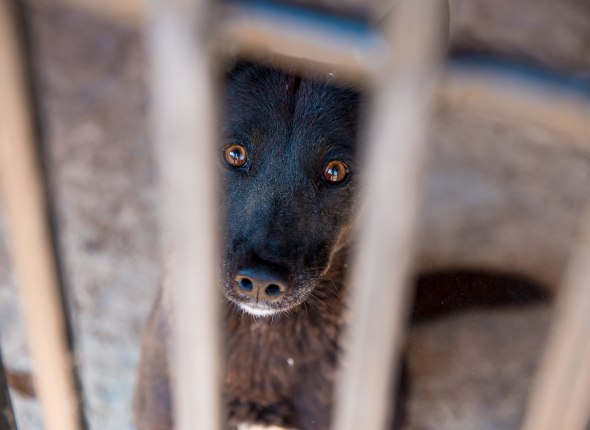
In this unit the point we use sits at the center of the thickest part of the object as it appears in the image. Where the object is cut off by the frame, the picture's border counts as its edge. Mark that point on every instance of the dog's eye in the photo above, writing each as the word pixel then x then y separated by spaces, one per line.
pixel 335 171
pixel 235 155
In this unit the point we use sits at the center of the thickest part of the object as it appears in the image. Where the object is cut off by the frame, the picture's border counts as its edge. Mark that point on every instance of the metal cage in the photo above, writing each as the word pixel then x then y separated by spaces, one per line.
pixel 187 39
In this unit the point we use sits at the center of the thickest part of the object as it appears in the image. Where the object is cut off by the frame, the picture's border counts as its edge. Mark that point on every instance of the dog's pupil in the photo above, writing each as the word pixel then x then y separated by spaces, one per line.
pixel 335 171
pixel 235 155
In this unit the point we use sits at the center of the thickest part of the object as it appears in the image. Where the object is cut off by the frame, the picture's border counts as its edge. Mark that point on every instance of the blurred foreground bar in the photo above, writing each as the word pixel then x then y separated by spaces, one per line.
pixel 295 36
pixel 27 215
pixel 392 190
pixel 565 112
pixel 561 396
pixel 185 124
pixel 181 51
pixel 303 39
pixel 125 11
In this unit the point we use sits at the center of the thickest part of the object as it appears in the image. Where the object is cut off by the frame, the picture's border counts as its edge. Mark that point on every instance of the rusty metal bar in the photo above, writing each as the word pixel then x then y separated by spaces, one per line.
pixel 31 237
pixel 391 194
pixel 561 394
pixel 185 124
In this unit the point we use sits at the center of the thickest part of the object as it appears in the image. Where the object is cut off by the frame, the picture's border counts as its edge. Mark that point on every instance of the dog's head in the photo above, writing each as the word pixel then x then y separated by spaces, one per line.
pixel 289 165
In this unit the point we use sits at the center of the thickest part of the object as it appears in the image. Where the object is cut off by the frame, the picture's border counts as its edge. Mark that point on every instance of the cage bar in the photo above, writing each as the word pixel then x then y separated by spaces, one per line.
pixel 295 36
pixel 27 217
pixel 300 38
pixel 124 11
pixel 408 86
pixel 391 194
pixel 182 43
pixel 185 124
pixel 564 112
pixel 561 394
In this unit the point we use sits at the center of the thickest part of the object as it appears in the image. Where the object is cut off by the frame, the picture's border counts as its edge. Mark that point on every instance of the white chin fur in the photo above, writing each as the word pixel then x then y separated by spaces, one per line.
pixel 246 426
pixel 257 312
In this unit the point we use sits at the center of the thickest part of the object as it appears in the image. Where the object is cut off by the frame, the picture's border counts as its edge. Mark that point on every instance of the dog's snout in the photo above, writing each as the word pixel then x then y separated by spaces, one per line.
pixel 261 284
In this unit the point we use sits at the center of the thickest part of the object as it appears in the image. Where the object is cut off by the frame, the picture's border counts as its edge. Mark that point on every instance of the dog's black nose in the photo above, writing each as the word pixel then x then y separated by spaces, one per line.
pixel 261 284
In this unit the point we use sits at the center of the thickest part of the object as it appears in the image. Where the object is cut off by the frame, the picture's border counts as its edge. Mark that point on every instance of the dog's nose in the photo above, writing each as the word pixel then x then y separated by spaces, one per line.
pixel 261 284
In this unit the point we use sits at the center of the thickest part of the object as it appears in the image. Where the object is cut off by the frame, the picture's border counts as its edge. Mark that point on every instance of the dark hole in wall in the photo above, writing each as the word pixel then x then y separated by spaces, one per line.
pixel 442 293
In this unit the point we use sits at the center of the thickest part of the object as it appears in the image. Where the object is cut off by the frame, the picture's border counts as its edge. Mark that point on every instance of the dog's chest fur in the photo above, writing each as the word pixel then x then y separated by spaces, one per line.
pixel 272 365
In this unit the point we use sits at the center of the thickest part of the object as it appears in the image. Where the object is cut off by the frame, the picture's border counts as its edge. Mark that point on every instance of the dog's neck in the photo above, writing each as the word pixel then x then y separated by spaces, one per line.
pixel 262 354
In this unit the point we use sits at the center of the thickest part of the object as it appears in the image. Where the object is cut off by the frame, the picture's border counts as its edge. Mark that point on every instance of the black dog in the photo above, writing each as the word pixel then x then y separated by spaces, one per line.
pixel 289 171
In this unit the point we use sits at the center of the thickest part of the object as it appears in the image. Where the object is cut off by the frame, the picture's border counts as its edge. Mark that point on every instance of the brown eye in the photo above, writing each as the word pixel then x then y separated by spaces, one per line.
pixel 235 155
pixel 335 171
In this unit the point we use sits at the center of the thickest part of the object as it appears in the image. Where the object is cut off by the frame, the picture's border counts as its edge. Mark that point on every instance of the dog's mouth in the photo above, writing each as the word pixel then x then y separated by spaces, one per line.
pixel 264 288
pixel 258 310
pixel 258 307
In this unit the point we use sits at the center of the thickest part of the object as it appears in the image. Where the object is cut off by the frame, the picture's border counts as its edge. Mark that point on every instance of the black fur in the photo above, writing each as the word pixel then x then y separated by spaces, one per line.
pixel 278 213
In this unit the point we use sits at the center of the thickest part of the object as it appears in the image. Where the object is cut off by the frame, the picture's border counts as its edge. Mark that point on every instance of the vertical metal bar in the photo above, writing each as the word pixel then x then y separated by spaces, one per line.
pixel 31 238
pixel 185 122
pixel 561 393
pixel 391 194
pixel 6 412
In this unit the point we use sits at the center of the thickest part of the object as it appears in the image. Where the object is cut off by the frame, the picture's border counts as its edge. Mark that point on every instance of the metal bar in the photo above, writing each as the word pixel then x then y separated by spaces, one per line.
pixel 6 411
pixel 390 198
pixel 125 11
pixel 568 113
pixel 561 394
pixel 30 232
pixel 185 121
pixel 298 37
